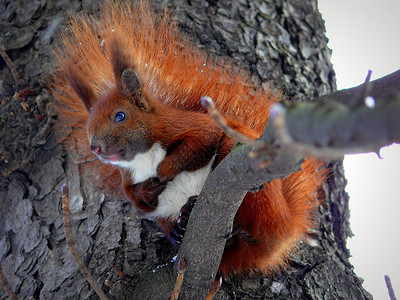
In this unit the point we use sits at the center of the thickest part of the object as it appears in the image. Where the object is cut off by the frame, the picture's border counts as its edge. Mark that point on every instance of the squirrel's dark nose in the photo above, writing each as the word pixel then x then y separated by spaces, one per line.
pixel 121 151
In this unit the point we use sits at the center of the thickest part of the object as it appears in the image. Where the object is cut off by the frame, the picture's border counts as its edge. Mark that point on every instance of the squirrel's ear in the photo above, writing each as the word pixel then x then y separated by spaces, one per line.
pixel 131 86
pixel 130 83
pixel 80 86
pixel 126 78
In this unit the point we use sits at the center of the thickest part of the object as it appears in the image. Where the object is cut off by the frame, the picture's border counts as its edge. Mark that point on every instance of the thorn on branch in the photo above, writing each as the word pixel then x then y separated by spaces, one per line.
pixel 6 286
pixel 71 245
pixel 389 286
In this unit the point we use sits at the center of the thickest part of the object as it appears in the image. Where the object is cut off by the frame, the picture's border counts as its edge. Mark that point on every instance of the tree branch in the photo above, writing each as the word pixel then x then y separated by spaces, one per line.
pixel 380 89
pixel 291 133
pixel 326 128
pixel 389 286
pixel 223 192
pixel 70 241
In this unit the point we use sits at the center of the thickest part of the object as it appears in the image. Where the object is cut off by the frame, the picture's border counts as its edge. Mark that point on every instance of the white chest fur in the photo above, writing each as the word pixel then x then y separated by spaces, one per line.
pixel 177 192
pixel 144 165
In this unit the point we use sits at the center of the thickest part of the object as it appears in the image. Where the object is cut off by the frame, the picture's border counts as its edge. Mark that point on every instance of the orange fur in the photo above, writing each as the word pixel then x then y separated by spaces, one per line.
pixel 176 75
pixel 283 214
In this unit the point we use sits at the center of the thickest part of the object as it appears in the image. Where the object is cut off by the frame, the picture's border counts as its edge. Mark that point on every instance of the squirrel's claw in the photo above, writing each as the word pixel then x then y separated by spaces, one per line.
pixel 178 230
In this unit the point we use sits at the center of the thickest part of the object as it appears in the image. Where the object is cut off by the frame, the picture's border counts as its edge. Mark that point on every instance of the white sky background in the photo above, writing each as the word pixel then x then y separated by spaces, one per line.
pixel 366 35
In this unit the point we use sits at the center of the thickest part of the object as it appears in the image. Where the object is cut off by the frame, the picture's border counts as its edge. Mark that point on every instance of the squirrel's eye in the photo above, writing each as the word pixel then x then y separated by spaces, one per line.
pixel 119 117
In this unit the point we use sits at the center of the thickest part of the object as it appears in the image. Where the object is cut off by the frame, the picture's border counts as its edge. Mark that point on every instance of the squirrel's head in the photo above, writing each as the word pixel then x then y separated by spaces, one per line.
pixel 119 122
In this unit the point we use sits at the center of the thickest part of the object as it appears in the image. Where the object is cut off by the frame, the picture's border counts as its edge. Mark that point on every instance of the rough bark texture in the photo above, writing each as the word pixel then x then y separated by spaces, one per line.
pixel 279 41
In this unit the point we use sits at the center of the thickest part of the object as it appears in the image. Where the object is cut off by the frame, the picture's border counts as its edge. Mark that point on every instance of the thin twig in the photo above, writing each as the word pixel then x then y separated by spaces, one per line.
pixel 10 64
pixel 214 288
pixel 6 286
pixel 71 245
pixel 121 274
pixel 389 286
pixel 209 104
pixel 178 284
pixel 366 87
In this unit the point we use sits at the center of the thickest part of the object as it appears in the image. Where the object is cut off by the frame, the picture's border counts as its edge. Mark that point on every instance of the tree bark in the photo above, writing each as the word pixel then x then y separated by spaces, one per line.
pixel 278 41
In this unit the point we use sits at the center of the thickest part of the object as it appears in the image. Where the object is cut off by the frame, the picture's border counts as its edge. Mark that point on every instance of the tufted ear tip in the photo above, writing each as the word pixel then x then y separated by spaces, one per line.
pixel 126 78
pixel 80 85
pixel 130 83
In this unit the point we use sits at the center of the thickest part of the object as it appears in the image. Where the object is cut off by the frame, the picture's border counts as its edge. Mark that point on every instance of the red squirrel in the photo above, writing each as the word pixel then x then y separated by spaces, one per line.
pixel 129 84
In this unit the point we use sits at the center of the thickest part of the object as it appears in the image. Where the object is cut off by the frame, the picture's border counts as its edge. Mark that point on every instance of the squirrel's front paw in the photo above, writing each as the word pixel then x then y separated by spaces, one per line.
pixel 148 191
pixel 167 170
pixel 178 231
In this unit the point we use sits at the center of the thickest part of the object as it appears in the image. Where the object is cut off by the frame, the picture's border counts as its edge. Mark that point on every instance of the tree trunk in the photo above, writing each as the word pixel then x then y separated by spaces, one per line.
pixel 279 41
